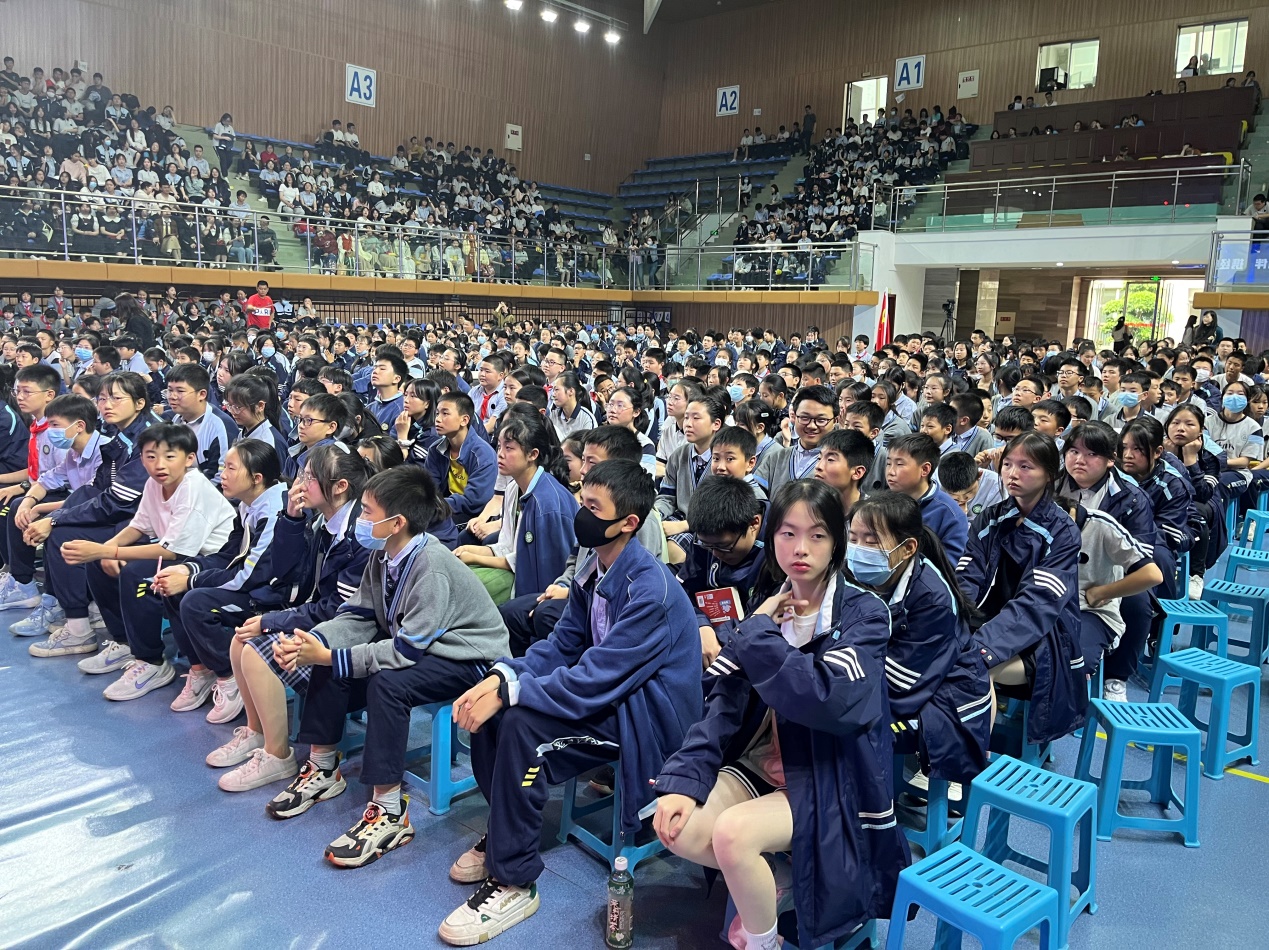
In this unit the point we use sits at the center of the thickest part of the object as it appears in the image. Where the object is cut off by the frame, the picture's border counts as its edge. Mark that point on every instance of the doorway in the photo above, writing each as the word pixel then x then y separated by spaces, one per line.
pixel 865 97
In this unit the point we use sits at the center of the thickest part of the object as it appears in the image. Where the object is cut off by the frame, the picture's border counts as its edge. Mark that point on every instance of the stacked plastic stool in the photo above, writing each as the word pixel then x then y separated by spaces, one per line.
pixel 616 845
pixel 1255 527
pixel 1145 724
pixel 1195 669
pixel 1208 621
pixel 439 784
pixel 971 894
pixel 1246 599
pixel 937 833
pixel 1011 789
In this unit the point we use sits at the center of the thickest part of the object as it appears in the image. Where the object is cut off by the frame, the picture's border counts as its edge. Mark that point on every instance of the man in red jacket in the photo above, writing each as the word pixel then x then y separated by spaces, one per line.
pixel 260 308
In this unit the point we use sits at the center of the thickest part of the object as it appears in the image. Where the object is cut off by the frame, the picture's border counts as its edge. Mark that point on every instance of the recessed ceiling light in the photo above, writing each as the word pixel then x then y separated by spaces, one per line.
pixel 1176 262
pixel 513 4
pixel 549 15
pixel 1060 264
pixel 612 36
pixel 581 26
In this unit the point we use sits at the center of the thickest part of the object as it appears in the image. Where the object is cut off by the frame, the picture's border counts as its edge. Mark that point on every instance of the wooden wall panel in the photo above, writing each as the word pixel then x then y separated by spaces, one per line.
pixel 452 68
pixel 833 321
pixel 785 55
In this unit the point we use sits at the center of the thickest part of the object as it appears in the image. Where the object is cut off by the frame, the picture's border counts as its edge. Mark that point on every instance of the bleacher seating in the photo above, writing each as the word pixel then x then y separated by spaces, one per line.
pixel 1222 135
pixel 1237 102
pixel 662 177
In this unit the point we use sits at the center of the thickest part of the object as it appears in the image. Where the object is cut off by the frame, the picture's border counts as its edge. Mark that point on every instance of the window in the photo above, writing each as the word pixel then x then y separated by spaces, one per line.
pixel 1219 48
pixel 1074 60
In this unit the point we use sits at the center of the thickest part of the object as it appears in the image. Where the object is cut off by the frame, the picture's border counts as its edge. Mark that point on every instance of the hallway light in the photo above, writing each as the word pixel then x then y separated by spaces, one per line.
pixel 549 14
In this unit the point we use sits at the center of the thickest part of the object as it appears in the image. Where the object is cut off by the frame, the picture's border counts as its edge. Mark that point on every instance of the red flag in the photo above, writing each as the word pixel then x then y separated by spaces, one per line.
pixel 885 332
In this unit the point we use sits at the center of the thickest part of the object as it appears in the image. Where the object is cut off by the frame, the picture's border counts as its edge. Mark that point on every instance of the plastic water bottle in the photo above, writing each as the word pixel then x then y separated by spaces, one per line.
pixel 620 906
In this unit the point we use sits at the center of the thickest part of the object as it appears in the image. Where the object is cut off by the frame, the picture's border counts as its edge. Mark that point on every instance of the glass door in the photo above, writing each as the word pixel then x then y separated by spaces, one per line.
pixel 864 98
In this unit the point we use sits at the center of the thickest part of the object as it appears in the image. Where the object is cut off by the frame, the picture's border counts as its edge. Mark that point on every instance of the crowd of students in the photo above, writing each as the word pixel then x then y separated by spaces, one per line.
pixel 560 528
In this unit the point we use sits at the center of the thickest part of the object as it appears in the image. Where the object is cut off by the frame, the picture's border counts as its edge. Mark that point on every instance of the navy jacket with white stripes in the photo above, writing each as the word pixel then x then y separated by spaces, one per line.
pixel 317 596
pixel 832 715
pixel 1172 500
pixel 251 571
pixel 1044 612
pixel 117 484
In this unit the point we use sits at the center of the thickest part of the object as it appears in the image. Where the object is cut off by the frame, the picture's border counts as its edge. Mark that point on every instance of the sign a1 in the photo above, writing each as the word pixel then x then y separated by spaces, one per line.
pixel 909 73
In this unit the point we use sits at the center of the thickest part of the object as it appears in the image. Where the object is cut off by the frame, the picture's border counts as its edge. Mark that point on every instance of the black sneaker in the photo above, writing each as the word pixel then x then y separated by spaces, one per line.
pixel 470 866
pixel 311 786
pixel 604 781
pixel 371 838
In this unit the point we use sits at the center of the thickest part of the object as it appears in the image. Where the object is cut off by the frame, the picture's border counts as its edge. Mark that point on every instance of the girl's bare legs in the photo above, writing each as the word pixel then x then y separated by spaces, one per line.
pixel 267 701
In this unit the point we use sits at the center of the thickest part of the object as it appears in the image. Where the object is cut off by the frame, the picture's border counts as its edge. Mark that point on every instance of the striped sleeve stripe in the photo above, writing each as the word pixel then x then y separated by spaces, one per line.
pixel 964 562
pixel 1058 584
pixel 902 671
pixel 727 664
pixel 986 698
pixel 1051 588
pixel 847 661
pixel 124 492
pixel 345 590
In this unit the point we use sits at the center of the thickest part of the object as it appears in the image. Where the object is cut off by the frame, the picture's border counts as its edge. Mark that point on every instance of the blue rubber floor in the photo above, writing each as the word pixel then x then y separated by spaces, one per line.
pixel 113 833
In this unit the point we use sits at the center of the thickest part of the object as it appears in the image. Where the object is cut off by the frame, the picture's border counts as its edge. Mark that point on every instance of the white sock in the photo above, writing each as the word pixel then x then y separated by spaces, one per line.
pixel 767 941
pixel 390 801
pixel 326 761
pixel 79 626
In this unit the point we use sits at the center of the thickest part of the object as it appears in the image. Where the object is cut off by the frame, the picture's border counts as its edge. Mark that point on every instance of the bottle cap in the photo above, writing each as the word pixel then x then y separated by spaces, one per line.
pixel 620 864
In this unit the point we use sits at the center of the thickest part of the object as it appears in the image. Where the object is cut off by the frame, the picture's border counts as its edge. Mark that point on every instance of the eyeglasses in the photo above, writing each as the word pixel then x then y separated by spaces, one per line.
pixel 312 421
pixel 716 548
pixel 305 477
pixel 23 391
pixel 813 422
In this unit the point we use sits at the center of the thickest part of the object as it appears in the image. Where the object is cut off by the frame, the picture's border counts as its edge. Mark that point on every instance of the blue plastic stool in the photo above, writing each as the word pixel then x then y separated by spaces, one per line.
pixel 1201 615
pixel 1064 805
pixel 440 786
pixel 971 894
pixel 1247 558
pixel 1011 730
pixel 615 846
pixel 1255 527
pixel 1243 598
pixel 1222 676
pixel 936 833
pixel 1156 724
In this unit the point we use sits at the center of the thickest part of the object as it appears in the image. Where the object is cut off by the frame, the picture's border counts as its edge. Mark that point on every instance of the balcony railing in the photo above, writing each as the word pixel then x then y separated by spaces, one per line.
pixel 1130 194
pixel 100 227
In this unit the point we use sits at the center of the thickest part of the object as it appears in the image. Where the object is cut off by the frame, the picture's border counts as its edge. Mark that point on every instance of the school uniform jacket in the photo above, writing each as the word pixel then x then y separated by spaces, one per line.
pixel 480 462
pixel 702 571
pixel 15 440
pixel 319 592
pixel 1172 499
pixel 1205 478
pixel 117 485
pixel 545 538
pixel 1042 613
pixel 832 715
pixel 251 545
pixel 679 483
pixel 936 677
pixel 646 670
pixel 946 520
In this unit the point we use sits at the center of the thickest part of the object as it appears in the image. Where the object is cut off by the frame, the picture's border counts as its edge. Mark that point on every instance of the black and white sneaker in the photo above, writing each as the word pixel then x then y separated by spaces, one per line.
pixel 371 838
pixel 470 866
pixel 311 786
pixel 494 907
pixel 604 780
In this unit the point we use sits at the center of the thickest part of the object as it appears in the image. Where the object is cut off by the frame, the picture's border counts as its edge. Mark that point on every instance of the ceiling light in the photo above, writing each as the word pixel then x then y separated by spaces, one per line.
pixel 1176 262
pixel 612 36
pixel 1060 264
pixel 581 26
pixel 513 4
pixel 549 15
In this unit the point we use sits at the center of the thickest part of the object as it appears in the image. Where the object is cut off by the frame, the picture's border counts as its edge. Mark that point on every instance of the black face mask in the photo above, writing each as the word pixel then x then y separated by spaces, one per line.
pixel 591 530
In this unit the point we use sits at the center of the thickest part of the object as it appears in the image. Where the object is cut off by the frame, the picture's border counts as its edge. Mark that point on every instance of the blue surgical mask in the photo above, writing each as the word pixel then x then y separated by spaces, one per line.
pixel 1234 402
pixel 209 358
pixel 267 351
pixel 999 444
pixel 59 439
pixel 83 353
pixel 870 566
pixel 362 532
pixel 1126 400
pixel 736 392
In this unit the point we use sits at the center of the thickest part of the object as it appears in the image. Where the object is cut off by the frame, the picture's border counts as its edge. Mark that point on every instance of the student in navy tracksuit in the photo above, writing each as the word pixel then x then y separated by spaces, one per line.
pixel 95 512
pixel 940 690
pixel 205 599
pixel 464 468
pixel 1021 570
pixel 795 749
pixel 252 401
pixel 1185 442
pixel 911 461
pixel 326 563
pixel 619 676
pixel 1092 480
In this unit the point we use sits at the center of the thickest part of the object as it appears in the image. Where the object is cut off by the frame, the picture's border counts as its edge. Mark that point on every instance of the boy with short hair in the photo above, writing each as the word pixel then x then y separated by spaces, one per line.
pixel 620 673
pixel 846 457
pixel 972 488
pixel 867 418
pixel 967 434
pixel 814 416
pixel 464 468
pixel 689 463
pixel 187 516
pixel 938 421
pixel 321 418
pixel 910 469
pixel 1051 418
pixel 387 378
pixel 487 395
pixel 734 452
pixel 187 387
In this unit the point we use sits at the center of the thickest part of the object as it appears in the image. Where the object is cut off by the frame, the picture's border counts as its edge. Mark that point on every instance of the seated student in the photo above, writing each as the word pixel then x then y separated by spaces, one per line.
pixel 380 452
pixel 1051 418
pixel 322 418
pixel 678 394
pixel 1184 441
pixel 866 418
pixel 536 535
pixel 185 514
pixel 415 427
pixel 938 421
pixel 814 416
pixel 967 434
pixel 187 388
pixel 1011 422
pixel 760 419
pixel 690 463
pixel 205 598
pixel 300 390
pixel 336 379
pixel 27 452
pixel 489 396
pixel 621 671
pixel 726 550
pixel 1112 565
pixel 800 679
pixel 910 464
pixel 570 410
pixel 971 487
pixel 72 428
pixel 1092 390
pixel 1021 568
pixel 734 452
pixel 532 618
pixel 940 691
pixel 420 629
pixel 252 402
pixel 845 460
pixel 463 468
pixel 327 562
pixel 388 376
pixel 626 407
pixel 93 512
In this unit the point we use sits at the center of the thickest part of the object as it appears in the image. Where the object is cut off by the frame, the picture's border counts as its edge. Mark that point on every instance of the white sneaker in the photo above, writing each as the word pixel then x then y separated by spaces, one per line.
pixel 113 657
pixel 494 907
pixel 259 770
pixel 95 619
pixel 62 642
pixel 198 686
pixel 237 750
pixel 1196 587
pixel 226 701
pixel 1115 691
pixel 47 616
pixel 16 596
pixel 138 679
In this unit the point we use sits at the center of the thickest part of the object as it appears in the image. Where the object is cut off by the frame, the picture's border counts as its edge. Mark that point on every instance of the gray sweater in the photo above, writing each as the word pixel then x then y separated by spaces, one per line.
pixel 443 610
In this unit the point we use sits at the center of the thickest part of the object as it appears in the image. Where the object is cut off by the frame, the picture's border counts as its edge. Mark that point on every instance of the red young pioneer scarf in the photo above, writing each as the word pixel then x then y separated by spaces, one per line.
pixel 33 450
